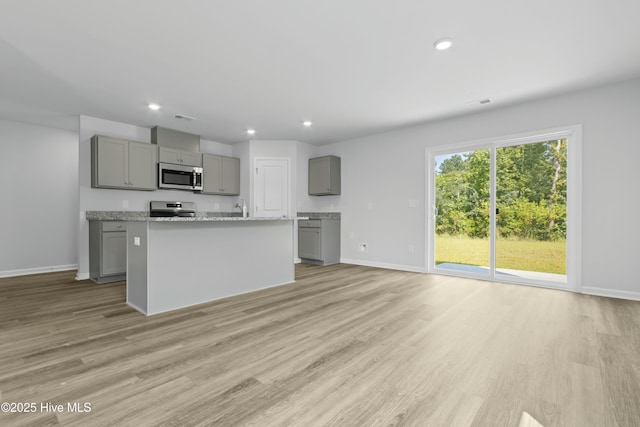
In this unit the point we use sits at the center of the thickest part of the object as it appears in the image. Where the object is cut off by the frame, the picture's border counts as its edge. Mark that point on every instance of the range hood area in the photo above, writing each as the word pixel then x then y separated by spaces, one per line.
pixel 165 137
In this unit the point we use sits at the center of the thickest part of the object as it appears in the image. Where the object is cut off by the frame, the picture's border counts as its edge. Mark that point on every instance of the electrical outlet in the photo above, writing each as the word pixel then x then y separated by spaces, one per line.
pixel 412 249
pixel 352 234
pixel 136 241
pixel 125 203
pixel 363 248
pixel 414 203
pixel 216 206
pixel 370 205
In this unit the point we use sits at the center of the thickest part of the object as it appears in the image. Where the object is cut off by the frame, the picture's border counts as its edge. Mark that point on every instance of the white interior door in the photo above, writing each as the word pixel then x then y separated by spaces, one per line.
pixel 271 187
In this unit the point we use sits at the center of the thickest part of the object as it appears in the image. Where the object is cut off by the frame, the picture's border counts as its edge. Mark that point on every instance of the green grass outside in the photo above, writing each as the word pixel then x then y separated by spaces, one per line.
pixel 527 255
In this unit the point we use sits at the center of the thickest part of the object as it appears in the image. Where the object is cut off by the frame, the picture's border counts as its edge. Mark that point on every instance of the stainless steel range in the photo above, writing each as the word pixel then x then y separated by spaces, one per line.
pixel 169 209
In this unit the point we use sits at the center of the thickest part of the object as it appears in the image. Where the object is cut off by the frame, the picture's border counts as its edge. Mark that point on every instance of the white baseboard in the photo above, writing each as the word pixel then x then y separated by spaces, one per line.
pixel 38 270
pixel 411 268
pixel 611 293
pixel 82 276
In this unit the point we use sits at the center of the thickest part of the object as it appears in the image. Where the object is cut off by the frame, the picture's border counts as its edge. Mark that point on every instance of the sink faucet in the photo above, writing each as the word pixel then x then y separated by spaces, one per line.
pixel 243 206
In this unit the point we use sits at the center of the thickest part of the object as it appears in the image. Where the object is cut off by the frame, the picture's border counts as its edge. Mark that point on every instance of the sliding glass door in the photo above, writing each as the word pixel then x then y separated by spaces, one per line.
pixel 500 210
pixel 462 226
pixel 531 210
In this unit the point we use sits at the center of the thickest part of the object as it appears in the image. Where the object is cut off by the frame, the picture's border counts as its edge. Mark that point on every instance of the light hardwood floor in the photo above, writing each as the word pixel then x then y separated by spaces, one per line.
pixel 343 346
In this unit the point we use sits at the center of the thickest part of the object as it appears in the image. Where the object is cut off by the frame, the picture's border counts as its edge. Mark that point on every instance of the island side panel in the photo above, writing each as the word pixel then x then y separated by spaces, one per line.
pixel 194 262
pixel 137 262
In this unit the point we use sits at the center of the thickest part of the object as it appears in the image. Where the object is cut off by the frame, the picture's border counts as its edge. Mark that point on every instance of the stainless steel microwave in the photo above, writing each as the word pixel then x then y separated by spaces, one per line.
pixel 179 177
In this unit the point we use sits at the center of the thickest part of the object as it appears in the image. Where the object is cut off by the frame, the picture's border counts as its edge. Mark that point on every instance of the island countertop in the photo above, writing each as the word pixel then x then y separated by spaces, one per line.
pixel 199 217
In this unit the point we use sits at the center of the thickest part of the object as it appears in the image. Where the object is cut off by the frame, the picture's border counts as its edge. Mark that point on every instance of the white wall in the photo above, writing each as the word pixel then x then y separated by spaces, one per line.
pixel 212 147
pixel 381 173
pixel 99 199
pixel 39 213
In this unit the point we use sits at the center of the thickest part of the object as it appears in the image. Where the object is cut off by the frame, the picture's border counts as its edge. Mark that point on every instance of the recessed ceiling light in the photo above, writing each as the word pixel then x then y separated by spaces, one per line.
pixel 251 131
pixel 154 107
pixel 443 44
pixel 307 123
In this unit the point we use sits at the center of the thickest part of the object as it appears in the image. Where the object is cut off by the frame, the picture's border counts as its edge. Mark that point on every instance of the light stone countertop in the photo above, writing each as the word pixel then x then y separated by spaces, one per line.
pixel 200 217
pixel 319 215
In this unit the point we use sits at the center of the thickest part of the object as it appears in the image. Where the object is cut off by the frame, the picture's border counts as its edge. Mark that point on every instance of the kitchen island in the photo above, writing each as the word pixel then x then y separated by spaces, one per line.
pixel 177 262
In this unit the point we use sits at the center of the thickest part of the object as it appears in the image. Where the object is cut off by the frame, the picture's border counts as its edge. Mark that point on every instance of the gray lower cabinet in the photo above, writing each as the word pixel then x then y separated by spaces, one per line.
pixel 118 163
pixel 324 176
pixel 107 251
pixel 220 175
pixel 319 241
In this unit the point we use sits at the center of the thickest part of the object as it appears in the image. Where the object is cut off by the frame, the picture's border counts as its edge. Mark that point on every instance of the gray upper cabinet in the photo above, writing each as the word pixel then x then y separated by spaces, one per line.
pixel 220 175
pixel 118 163
pixel 324 176
pixel 179 157
pixel 142 166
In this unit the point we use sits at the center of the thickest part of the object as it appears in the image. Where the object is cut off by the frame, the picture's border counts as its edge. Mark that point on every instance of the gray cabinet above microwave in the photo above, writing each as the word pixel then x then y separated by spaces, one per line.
pixel 179 157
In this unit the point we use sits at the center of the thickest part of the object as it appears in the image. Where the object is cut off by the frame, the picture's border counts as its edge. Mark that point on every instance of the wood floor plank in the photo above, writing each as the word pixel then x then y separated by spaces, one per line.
pixel 343 345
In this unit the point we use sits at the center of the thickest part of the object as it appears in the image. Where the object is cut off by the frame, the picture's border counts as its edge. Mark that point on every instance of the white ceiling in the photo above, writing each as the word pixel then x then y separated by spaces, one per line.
pixel 354 67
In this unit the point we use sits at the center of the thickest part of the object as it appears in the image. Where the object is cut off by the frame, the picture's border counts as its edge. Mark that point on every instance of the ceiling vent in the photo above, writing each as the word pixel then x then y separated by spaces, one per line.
pixel 478 102
pixel 183 117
